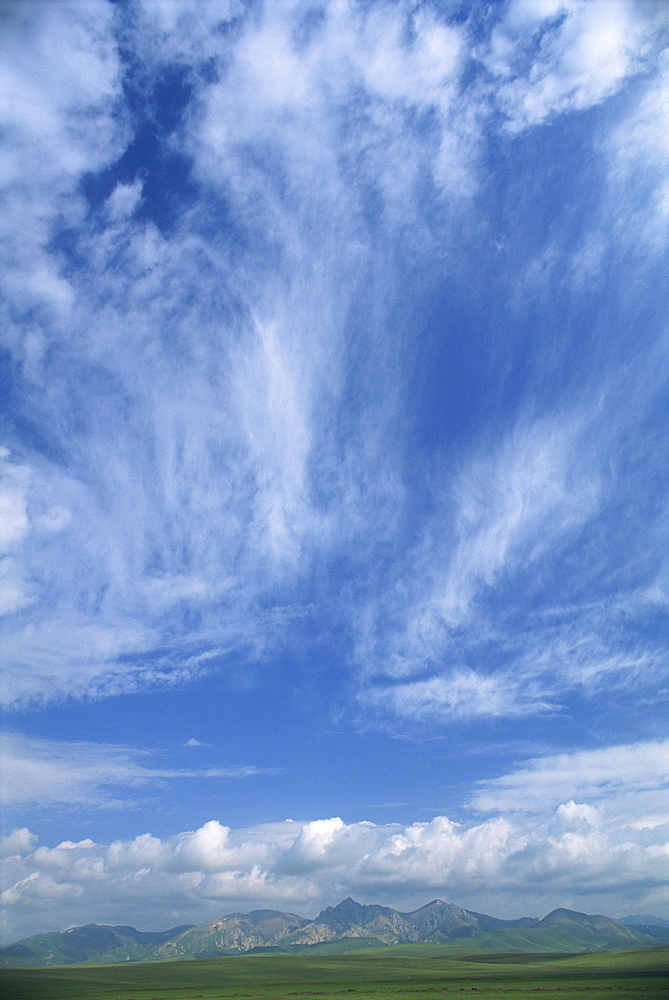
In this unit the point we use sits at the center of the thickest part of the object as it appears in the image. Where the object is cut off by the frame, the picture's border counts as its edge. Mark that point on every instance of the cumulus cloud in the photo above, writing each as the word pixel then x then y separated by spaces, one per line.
pixel 19 841
pixel 586 829
pixel 199 874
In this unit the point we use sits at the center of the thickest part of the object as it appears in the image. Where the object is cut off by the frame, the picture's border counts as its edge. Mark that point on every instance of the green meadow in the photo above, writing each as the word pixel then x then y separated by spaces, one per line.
pixel 362 975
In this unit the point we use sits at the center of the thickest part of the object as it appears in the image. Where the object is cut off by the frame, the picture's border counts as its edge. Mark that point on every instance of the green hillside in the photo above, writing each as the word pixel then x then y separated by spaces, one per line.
pixel 91 942
pixel 373 975
pixel 440 928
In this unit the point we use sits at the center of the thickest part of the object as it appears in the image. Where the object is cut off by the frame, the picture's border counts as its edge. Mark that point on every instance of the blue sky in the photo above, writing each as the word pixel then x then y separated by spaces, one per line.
pixel 333 472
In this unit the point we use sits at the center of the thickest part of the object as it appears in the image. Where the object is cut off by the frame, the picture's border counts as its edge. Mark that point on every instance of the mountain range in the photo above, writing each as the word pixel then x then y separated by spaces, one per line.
pixel 348 926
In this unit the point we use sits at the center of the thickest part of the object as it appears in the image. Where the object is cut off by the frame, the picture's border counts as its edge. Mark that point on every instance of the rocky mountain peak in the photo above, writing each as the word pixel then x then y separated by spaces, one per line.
pixel 438 922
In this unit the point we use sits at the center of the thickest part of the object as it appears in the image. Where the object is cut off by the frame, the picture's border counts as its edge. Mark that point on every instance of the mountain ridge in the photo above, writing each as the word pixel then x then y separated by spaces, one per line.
pixel 349 925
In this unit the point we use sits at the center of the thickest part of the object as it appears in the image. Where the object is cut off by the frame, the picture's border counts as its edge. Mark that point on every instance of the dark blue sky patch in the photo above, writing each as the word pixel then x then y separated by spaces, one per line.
pixel 170 97
pixel 158 107
pixel 167 187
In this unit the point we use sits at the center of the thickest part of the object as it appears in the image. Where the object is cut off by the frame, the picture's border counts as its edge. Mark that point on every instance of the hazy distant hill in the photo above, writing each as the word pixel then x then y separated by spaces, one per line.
pixel 337 928
pixel 645 918
pixel 646 923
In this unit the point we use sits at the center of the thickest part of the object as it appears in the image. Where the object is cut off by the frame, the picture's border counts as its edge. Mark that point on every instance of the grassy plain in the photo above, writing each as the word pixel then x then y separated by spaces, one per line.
pixel 371 975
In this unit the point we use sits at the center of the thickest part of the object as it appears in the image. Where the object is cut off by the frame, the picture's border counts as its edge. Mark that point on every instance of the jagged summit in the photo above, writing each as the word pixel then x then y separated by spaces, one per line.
pixel 351 911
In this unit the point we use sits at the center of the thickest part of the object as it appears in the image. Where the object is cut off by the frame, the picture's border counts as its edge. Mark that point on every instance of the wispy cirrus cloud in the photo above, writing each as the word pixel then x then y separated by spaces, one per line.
pixel 463 693
pixel 208 468
pixel 605 777
pixel 213 412
pixel 58 127
pixel 46 772
pixel 507 517
pixel 506 530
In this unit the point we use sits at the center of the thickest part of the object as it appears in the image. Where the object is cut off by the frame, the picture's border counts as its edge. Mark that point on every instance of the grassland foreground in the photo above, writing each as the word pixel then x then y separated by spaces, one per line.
pixel 371 975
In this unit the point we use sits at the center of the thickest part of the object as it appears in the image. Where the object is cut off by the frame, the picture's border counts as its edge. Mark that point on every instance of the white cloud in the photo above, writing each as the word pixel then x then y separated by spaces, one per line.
pixel 229 480
pixel 583 660
pixel 608 775
pixel 552 56
pixel 124 199
pixel 59 79
pixel 60 76
pixel 505 511
pixel 69 655
pixel 515 504
pixel 13 515
pixel 221 421
pixel 391 64
pixel 15 590
pixel 575 853
pixel 463 694
pixel 638 153
pixel 214 421
pixel 19 841
pixel 444 640
pixel 43 772
pixel 183 31
pixel 632 217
